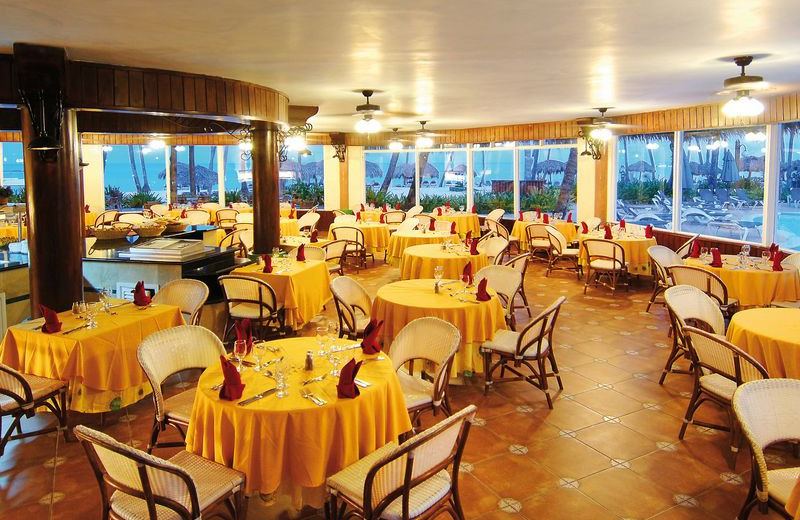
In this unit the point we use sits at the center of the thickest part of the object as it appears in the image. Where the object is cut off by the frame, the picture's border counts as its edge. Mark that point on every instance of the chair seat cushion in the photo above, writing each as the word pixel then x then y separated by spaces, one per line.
pixel 570 252
pixel 350 483
pixel 718 385
pixel 179 407
pixel 505 342
pixel 213 481
pixel 40 387
pixel 249 310
pixel 786 305
pixel 539 243
pixel 605 265
pixel 781 483
pixel 416 391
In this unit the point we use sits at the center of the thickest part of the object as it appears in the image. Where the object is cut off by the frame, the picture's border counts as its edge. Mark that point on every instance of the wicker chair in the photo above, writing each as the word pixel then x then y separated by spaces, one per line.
pixel 350 297
pixel 442 226
pixel 425 220
pixel 247 240
pixel 169 352
pixel 766 411
pixel 131 217
pixel 661 257
pixel 189 295
pixel 344 219
pixel 496 215
pixel 560 251
pixel 528 216
pixel 334 256
pixel 210 206
pixel 427 339
pixel 226 218
pixel 311 253
pixel 719 368
pixel 538 240
pixel 793 260
pixel 409 224
pixel 20 396
pixel 593 223
pixel 520 263
pixel 494 247
pixel 406 481
pixel 356 246
pixel 506 282
pixel 160 209
pixel 244 218
pixel 106 217
pixel 689 305
pixel 605 258
pixel 534 344
pixel 499 230
pixel 308 222
pixel 686 247
pixel 198 217
pixel 241 206
pixel 414 211
pixel 232 240
pixel 253 298
pixel 706 281
pixel 393 219
pixel 135 485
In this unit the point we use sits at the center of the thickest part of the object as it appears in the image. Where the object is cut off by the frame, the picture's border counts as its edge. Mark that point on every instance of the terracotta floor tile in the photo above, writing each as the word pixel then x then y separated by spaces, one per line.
pixel 521 428
pixel 626 493
pixel 653 424
pixel 616 441
pixel 483 443
pixel 603 372
pixel 564 504
pixel 495 473
pixel 608 402
pixel 569 415
pixel 568 457
pixel 476 498
pixel 676 471
pixel 645 391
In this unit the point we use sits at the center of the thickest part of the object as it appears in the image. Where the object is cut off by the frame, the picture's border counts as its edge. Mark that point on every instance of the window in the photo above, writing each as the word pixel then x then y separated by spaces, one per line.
pixel 197 173
pixel 12 170
pixel 238 175
pixel 390 178
pixel 443 178
pixel 723 183
pixel 787 211
pixel 548 179
pixel 644 179
pixel 493 179
pixel 134 175
pixel 302 177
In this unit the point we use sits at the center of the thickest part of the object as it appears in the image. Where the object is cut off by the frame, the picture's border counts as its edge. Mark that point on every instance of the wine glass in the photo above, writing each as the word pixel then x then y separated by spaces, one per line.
pixel 438 272
pixel 765 257
pixel 91 315
pixel 746 250
pixel 258 354
pixel 461 208
pixel 281 373
pixel 333 333
pixel 239 350
pixel 333 357
pixel 76 308
pixel 322 339
pixel 704 253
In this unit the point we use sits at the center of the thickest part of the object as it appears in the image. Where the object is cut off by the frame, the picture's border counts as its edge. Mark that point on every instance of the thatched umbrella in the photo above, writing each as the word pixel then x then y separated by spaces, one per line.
pixel 205 179
pixel 686 177
pixel 641 167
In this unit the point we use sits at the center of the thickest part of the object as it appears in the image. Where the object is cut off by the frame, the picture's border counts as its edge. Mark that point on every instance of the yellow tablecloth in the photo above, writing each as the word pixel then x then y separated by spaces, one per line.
pixel 289 227
pixel 419 261
pixel 772 336
pixel 400 241
pixel 635 251
pixel 371 215
pixel 464 222
pixel 176 213
pixel 399 303
pixel 376 236
pixel 755 286
pixel 520 229
pixel 285 212
pixel 291 445
pixel 13 232
pixel 90 218
pixel 99 364
pixel 293 242
pixel 304 289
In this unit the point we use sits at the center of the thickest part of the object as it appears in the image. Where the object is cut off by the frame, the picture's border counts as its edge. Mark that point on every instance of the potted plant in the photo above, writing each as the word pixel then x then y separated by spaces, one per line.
pixel 5 193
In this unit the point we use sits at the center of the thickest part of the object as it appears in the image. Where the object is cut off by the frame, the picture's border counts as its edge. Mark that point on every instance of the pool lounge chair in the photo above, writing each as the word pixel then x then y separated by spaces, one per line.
pixel 744 199
pixel 793 197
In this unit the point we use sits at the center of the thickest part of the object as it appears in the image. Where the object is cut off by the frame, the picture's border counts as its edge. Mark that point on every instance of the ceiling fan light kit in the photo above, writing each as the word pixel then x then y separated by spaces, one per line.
pixel 743 104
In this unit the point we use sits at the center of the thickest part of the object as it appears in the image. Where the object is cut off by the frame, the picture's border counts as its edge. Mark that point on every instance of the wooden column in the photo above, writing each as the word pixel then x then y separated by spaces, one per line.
pixel 266 211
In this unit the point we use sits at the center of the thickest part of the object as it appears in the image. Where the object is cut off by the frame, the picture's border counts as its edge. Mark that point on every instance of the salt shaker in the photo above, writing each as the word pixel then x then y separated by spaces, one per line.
pixel 309 360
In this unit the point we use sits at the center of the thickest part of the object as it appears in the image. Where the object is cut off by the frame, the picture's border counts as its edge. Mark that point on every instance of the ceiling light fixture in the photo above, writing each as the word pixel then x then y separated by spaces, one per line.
pixel 652 146
pixel 743 105
pixel 424 141
pixel 601 134
pixel 293 140
pixel 146 150
pixel 107 148
pixel 180 148
pixel 156 144
pixel 367 125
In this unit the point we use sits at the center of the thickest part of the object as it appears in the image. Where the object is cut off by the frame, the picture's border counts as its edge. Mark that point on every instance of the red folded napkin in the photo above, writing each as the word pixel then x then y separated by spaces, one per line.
pixel 447 204
pixel 521 218
pixel 695 250
pixel 648 231
pixel 466 274
pixel 140 297
pixel 584 228
pixel 291 213
pixel 439 211
pixel 432 226
pixel 397 206
pixel 382 219
pixel 301 253
pixel 776 261
pixel 483 295
pixel 51 321
pixel 474 208
pixel 772 248
pixel 453 228
pixel 370 345
pixel 230 205
pixel 183 213
pixel 473 247
pixel 608 235
pixel 372 203
pixel 293 206
pixel 546 218
pixel 538 213
pixel 232 386
pixel 362 207
pixel 170 206
pixel 716 258
pixel 358 215
pixel 384 208
pixel 346 388
pixel 468 238
pixel 194 205
pixel 315 236
pixel 569 217
pixel 244 332
pixel 622 223
pixel 86 208
pixel 267 263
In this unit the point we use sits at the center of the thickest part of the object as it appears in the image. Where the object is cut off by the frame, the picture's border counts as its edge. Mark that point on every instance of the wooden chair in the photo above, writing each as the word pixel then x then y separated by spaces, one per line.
pixel 253 298
pixel 520 263
pixel 662 258
pixel 538 240
pixel 311 253
pixel 232 240
pixel 198 217
pixel 308 222
pixel 226 218
pixel 494 247
pixel 131 217
pixel 424 220
pixel 506 282
pixel 166 353
pixel 793 260
pixel 188 295
pixel 560 252
pixel 498 229
pixel 605 258
pixel 356 245
pixel 351 299
pixel 686 247
pixel 706 281
pixel 106 217
pixel 334 256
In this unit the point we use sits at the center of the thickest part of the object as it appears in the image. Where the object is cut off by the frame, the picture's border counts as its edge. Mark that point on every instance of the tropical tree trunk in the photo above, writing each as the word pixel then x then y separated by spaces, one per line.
pixel 652 161
pixel 173 174
pixel 532 174
pixel 448 165
pixel 145 183
pixel 134 171
pixel 625 177
pixel 105 159
pixel 411 198
pixel 568 183
pixel 483 167
pixel 789 151
pixel 192 174
pixel 387 180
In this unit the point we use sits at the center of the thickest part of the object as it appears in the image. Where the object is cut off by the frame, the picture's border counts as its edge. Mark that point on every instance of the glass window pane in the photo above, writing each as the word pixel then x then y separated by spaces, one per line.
pixel 13 170
pixel 493 179
pixel 548 179
pixel 390 178
pixel 302 178
pixel 723 182
pixel 443 180
pixel 644 182
pixel 197 173
pixel 134 175
pixel 787 228
pixel 238 175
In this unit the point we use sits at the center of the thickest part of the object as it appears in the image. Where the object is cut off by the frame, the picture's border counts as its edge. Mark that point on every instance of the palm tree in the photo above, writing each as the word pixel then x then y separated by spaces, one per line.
pixel 411 198
pixel 146 184
pixel 134 172
pixel 173 174
pixel 387 180
pixel 568 183
pixel 192 173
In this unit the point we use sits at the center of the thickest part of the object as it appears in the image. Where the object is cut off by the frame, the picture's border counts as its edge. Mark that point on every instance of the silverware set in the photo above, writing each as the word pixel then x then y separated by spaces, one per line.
pixel 315 379
pixel 70 331
pixel 256 397
pixel 313 398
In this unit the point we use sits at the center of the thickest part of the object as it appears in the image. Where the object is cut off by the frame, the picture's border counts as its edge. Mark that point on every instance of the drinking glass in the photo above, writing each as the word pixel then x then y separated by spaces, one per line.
pixel 91 315
pixel 258 354
pixel 322 339
pixel 704 252
pixel 281 375
pixel 765 257
pixel 746 250
pixel 239 350
pixel 275 252
pixel 438 272
pixel 461 208
pixel 333 357
pixel 76 308
pixel 333 333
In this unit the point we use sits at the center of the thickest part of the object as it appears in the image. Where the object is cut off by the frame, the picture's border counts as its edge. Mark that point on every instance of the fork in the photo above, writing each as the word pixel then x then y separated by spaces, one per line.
pixel 315 379
pixel 305 394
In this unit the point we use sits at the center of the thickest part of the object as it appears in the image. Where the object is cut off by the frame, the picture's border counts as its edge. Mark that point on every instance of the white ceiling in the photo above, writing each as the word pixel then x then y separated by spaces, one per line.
pixel 461 63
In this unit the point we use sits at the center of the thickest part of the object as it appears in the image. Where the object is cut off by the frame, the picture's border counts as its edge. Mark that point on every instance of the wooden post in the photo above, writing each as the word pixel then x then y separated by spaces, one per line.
pixel 266 211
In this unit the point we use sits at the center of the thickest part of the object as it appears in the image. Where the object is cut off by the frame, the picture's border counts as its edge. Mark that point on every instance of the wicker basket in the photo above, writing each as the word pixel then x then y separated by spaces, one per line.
pixel 109 232
pixel 149 231
pixel 176 227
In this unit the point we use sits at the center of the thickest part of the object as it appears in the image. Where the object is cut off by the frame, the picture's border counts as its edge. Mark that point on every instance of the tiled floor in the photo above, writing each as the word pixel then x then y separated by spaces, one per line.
pixel 608 450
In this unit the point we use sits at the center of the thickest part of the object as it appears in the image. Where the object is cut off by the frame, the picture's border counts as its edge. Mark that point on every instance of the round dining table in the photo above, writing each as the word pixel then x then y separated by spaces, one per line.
pixel 402 240
pixel 635 248
pixel 376 235
pixel 289 446
pixel 464 222
pixel 398 303
pixel 420 261
pixel 520 228
pixel 12 231
pixel 755 285
pixel 771 336
pixel 289 227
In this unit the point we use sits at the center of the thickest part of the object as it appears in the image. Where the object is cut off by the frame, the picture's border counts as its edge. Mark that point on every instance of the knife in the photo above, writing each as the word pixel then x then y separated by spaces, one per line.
pixel 257 397
pixel 361 383
pixel 70 331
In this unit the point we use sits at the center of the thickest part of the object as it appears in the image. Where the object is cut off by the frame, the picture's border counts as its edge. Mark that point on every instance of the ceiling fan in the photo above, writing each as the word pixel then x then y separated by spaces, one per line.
pixel 424 137
pixel 743 104
pixel 366 112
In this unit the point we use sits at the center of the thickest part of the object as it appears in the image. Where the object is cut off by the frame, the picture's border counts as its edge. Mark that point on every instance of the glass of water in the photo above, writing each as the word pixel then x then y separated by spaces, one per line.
pixel 258 355
pixel 765 257
pixel 281 375
pixel 746 250
pixel 438 273
pixel 322 339
pixel 704 253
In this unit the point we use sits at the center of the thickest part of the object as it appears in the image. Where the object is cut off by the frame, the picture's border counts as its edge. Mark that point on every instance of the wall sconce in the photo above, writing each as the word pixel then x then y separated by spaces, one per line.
pixel 47 144
pixel 293 140
pixel 594 141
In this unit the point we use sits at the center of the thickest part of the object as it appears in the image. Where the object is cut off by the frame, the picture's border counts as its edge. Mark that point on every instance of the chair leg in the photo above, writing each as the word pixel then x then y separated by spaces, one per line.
pixel 656 292
pixel 552 358
pixel 487 368
pixel 694 403
pixel 154 436
pixel 525 301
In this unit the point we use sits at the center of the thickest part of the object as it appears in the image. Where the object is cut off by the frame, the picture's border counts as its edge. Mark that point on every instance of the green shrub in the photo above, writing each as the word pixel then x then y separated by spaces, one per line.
pixel 307 192
pixel 18 196
pixel 140 199
pixel 381 197
pixel 486 202
pixel 640 192
pixel 233 196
